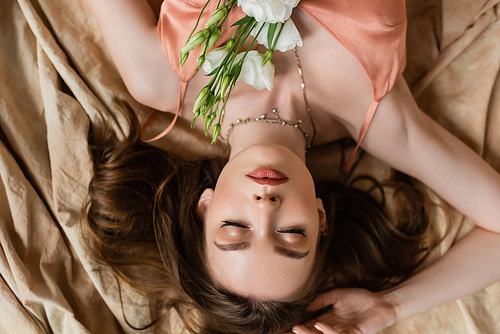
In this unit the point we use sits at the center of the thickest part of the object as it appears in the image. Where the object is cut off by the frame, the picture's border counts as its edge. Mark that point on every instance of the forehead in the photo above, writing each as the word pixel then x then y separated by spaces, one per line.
pixel 259 273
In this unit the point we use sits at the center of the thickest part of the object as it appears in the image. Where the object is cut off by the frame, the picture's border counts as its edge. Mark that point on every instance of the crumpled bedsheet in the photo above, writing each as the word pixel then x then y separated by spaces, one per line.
pixel 58 84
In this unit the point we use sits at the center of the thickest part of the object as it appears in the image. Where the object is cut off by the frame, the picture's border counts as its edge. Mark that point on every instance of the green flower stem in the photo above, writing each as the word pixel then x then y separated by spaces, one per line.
pixel 224 105
pixel 228 62
pixel 222 66
pixel 254 39
pixel 278 36
pixel 212 107
pixel 229 58
pixel 229 7
pixel 247 27
pixel 234 33
pixel 244 33
pixel 198 21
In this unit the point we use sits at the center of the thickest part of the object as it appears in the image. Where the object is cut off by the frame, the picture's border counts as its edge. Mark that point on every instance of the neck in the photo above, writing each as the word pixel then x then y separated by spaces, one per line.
pixel 260 133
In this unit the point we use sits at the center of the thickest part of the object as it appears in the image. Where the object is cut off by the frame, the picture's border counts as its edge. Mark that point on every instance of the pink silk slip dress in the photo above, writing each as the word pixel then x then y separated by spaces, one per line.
pixel 374 31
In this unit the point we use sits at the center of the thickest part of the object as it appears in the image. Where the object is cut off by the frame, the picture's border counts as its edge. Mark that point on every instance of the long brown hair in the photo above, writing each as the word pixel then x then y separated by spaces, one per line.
pixel 142 222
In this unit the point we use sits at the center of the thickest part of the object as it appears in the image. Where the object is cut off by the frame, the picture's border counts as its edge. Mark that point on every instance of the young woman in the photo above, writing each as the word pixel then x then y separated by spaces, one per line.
pixel 251 248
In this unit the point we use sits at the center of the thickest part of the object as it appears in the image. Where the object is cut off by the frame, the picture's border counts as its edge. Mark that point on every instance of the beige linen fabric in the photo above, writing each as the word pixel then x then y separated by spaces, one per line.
pixel 58 84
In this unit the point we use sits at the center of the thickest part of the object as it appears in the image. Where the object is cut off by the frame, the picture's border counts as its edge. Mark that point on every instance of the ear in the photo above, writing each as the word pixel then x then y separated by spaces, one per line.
pixel 204 201
pixel 323 224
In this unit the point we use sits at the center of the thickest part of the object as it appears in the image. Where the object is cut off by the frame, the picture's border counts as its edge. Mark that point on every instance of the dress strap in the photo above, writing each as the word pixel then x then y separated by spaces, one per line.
pixel 151 119
pixel 346 166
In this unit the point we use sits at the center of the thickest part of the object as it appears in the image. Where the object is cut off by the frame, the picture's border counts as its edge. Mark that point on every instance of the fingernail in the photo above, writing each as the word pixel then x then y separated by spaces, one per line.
pixel 295 331
pixel 318 327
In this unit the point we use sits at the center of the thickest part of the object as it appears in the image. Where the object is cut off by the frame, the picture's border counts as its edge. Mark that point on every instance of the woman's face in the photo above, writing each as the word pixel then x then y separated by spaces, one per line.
pixel 262 223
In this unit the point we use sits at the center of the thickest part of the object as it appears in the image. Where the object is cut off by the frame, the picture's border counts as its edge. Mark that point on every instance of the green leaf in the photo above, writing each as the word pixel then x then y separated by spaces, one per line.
pixel 270 33
pixel 214 71
pixel 244 20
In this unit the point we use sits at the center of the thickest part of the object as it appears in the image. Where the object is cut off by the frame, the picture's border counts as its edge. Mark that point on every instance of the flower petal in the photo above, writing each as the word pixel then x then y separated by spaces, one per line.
pixel 262 38
pixel 270 11
pixel 213 59
pixel 253 73
pixel 289 37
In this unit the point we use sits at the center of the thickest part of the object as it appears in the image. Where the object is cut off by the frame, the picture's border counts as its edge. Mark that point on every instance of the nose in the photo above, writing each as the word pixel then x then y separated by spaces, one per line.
pixel 264 210
pixel 266 199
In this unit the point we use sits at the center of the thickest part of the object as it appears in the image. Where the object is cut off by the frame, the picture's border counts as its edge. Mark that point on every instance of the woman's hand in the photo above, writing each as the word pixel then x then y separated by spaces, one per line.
pixel 354 311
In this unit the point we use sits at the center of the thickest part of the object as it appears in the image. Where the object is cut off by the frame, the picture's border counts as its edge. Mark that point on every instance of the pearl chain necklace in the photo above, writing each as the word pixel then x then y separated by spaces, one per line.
pixel 278 120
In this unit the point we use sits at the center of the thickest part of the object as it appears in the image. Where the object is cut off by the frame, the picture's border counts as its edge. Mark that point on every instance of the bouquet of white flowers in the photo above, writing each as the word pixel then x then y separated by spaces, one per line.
pixel 269 23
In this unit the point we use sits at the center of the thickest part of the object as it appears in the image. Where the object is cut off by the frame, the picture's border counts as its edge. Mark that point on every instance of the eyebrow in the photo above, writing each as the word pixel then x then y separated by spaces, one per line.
pixel 233 247
pixel 290 253
pixel 245 245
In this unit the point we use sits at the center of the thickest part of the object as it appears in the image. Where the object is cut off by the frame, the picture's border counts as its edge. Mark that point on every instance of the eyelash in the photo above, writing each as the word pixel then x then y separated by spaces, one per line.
pixel 294 231
pixel 230 223
pixel 236 224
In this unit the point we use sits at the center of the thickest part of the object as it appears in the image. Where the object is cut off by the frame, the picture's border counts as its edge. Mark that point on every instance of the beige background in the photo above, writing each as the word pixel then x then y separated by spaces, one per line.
pixel 57 84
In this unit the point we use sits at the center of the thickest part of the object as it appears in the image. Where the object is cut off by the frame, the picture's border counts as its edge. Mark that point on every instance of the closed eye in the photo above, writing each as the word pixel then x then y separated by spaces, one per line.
pixel 233 223
pixel 294 231
pixel 238 224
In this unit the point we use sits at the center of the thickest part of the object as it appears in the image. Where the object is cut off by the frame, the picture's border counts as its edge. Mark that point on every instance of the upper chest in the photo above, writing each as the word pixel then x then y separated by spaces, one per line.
pixel 337 87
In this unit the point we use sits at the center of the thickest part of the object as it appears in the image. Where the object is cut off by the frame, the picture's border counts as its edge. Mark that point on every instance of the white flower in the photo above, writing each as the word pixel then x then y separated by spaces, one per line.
pixel 289 37
pixel 253 73
pixel 214 58
pixel 270 11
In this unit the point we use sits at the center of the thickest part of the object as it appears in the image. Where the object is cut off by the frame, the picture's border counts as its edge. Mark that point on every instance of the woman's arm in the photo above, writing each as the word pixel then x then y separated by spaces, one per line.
pixel 129 30
pixel 469 266
pixel 410 141
pixel 426 151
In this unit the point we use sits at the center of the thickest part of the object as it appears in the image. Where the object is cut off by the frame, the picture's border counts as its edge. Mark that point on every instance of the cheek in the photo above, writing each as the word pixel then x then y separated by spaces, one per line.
pixel 302 205
pixel 228 204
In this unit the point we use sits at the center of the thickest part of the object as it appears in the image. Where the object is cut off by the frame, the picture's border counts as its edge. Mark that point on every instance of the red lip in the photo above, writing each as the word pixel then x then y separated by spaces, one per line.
pixel 267 176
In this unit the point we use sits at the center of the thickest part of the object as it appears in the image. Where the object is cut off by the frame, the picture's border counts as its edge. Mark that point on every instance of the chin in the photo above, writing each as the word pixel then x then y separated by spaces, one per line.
pixel 270 155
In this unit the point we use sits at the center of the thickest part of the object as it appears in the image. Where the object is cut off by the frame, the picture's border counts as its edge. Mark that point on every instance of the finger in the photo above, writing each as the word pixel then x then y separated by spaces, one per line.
pixel 324 328
pixel 324 300
pixel 300 329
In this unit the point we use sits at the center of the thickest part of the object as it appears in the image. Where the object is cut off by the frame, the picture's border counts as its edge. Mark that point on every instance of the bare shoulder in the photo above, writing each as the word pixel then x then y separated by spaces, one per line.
pixel 148 74
pixel 396 115
pixel 129 30
pixel 337 84
pixel 410 141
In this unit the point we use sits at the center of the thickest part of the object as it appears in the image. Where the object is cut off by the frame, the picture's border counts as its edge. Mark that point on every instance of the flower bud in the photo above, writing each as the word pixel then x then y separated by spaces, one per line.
pixel 267 57
pixel 224 84
pixel 215 132
pixel 201 98
pixel 229 45
pixel 184 57
pixel 203 111
pixel 196 115
pixel 207 106
pixel 213 116
pixel 217 16
pixel 196 40
pixel 208 123
pixel 201 61
pixel 214 36
pixel 235 71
